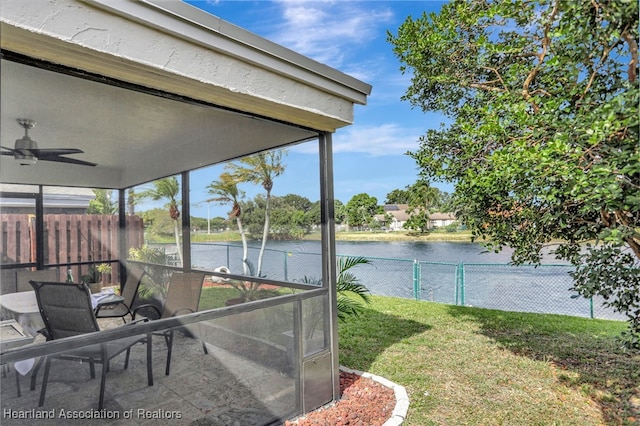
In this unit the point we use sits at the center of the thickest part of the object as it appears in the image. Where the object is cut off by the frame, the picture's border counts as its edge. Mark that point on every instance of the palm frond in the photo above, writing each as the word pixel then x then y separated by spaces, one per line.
pixel 349 289
pixel 354 288
pixel 346 263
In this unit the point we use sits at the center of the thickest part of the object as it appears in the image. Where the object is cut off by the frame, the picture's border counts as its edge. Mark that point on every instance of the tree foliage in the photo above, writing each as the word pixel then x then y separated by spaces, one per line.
pixel 360 209
pixel 423 199
pixel 542 144
pixel 398 196
pixel 102 203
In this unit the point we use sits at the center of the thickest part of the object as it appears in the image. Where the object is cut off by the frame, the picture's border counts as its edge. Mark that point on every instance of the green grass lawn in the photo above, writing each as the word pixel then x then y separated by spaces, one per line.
pixel 463 365
pixel 214 297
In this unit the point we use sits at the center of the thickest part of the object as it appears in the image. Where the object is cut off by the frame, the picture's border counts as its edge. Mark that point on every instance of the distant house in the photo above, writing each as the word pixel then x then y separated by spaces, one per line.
pixel 399 217
pixel 57 200
pixel 438 220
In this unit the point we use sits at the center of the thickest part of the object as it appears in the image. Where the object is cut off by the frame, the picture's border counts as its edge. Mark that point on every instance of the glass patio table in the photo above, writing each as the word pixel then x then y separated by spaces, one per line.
pixel 23 307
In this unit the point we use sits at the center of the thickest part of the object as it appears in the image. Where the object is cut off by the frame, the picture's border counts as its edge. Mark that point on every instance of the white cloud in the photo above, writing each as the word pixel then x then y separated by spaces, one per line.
pixel 385 139
pixel 326 31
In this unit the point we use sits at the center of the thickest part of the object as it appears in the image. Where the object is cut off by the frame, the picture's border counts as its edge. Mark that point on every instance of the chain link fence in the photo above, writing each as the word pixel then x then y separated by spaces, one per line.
pixel 538 289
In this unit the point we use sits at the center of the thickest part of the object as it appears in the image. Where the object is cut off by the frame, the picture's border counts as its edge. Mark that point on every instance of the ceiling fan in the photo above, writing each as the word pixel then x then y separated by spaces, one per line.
pixel 26 150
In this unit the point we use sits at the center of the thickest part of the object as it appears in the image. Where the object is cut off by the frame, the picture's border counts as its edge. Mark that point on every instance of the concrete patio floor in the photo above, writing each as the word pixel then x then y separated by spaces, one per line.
pixel 219 388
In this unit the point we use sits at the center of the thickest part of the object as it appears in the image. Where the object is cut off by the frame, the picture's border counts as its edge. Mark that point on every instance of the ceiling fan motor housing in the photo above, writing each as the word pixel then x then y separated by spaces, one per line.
pixel 23 152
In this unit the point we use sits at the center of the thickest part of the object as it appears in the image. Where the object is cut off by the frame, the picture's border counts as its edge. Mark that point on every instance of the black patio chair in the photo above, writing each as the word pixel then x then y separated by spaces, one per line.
pixel 183 297
pixel 129 292
pixel 66 311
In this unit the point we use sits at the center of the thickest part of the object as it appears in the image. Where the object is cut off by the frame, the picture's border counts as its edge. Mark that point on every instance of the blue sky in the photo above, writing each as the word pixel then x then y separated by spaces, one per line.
pixel 369 156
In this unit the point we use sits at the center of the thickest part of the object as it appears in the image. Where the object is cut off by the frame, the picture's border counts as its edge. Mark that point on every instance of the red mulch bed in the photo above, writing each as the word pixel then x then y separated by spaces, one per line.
pixel 364 402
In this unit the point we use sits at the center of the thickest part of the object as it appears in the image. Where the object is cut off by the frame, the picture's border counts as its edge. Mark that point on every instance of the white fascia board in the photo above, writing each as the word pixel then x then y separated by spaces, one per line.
pixel 253 48
pixel 183 20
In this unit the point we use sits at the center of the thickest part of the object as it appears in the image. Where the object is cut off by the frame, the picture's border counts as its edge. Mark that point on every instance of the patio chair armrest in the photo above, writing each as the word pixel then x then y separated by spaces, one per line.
pixel 113 304
pixel 45 333
pixel 137 321
pixel 147 306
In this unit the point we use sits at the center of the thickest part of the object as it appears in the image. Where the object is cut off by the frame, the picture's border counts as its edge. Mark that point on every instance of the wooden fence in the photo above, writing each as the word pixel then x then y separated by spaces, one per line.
pixel 69 238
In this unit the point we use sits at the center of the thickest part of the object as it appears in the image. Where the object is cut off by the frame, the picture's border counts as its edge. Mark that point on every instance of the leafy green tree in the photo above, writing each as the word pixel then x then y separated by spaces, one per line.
pixel 198 223
pixel 360 209
pixel 289 217
pixel 340 211
pixel 167 189
pixel 219 223
pixel 542 144
pixel 225 191
pixel 314 214
pixel 398 196
pixel 260 169
pixel 102 203
pixel 297 202
pixel 418 221
pixel 157 222
pixel 253 216
pixel 438 200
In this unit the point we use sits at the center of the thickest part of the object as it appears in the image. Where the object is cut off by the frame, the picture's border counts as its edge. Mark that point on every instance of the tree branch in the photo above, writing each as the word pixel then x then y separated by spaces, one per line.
pixel 633 49
pixel 605 53
pixel 485 86
pixel 546 42
pixel 495 71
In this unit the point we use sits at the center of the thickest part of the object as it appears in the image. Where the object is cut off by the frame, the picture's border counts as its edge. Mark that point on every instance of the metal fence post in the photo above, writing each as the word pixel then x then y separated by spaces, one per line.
pixel 457 286
pixel 286 269
pixel 460 275
pixel 416 281
pixel 591 307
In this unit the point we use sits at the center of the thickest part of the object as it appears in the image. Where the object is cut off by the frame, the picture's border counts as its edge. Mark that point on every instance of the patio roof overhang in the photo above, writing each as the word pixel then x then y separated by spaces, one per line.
pixel 149 89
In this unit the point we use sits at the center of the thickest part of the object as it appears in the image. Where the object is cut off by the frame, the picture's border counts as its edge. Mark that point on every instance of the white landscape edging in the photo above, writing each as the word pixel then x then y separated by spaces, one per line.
pixel 402 399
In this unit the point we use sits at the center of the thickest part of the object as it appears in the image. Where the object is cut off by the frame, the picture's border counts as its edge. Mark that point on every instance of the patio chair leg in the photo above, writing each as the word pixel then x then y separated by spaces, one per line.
pixel 149 361
pixel 204 348
pixel 169 338
pixel 34 373
pixel 92 368
pixel 45 378
pixel 103 380
pixel 18 384
pixel 126 359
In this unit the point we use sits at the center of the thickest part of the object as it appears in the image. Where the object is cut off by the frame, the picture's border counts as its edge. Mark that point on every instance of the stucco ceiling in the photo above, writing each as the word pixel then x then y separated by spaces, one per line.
pixel 134 137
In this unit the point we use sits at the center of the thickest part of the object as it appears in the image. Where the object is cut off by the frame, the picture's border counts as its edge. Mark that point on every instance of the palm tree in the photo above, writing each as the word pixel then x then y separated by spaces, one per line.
pixel 226 191
pixel 260 169
pixel 131 201
pixel 350 293
pixel 348 285
pixel 167 188
pixel 422 197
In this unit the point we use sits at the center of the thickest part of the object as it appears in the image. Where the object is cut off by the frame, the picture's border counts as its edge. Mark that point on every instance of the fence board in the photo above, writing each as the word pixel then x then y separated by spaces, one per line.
pixel 69 239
